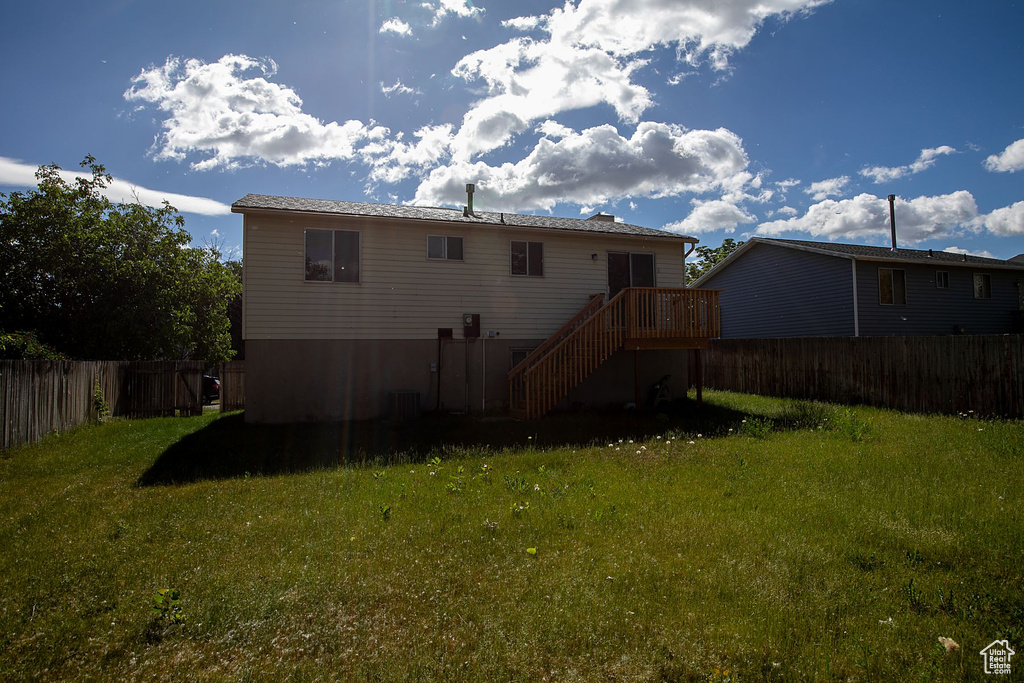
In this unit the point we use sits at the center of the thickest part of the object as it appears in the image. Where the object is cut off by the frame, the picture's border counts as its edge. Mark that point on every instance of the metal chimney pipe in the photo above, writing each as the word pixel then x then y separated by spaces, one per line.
pixel 470 188
pixel 892 219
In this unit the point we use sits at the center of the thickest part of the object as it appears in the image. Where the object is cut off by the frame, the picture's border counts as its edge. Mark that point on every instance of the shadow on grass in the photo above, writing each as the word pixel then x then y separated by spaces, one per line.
pixel 229 447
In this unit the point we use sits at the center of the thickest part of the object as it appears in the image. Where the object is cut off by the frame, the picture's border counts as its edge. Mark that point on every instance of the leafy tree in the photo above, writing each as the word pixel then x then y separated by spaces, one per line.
pixel 235 312
pixel 103 280
pixel 709 257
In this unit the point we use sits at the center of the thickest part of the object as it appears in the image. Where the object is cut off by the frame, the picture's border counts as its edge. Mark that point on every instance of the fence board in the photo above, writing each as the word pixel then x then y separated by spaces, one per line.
pixel 947 374
pixel 232 385
pixel 40 397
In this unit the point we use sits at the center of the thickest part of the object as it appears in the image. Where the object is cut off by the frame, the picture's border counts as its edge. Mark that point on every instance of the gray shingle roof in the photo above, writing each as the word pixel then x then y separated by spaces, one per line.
pixel 421 213
pixel 887 254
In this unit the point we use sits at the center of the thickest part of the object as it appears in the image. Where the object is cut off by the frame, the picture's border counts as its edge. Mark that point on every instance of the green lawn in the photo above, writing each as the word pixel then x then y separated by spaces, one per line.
pixel 755 540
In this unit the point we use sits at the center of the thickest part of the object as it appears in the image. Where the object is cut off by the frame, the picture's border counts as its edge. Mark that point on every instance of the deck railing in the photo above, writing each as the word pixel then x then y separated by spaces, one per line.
pixel 635 318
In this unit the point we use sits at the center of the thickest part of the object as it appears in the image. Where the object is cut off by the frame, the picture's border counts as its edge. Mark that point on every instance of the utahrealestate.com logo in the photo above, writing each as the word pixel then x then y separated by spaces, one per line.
pixel 997 657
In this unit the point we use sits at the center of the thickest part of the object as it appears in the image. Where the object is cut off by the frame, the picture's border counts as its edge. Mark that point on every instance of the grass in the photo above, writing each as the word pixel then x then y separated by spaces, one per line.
pixel 757 540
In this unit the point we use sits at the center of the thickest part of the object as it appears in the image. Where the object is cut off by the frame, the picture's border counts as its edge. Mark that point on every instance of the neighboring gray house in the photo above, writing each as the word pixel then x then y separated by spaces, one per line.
pixel 793 288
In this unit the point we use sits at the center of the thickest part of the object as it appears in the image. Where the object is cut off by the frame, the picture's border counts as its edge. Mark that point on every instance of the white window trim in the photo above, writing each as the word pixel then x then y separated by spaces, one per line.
pixel 445 257
pixel 527 273
pixel 332 281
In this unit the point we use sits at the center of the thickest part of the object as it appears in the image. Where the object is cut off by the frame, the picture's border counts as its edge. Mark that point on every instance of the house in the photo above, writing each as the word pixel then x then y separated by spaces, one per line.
pixel 793 288
pixel 356 310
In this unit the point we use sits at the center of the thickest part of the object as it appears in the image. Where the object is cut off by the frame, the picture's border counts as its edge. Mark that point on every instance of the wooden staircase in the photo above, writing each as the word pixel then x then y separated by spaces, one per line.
pixel 637 318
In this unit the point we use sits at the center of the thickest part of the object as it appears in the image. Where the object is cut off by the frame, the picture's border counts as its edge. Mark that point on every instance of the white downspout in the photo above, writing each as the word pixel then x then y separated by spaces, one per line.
pixel 856 311
pixel 483 374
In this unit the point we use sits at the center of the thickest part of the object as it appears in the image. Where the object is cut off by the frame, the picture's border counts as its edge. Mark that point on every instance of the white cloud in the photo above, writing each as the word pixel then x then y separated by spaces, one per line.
pixel 397 26
pixel 827 188
pixel 865 217
pixel 882 174
pixel 18 174
pixel 529 81
pixel 393 160
pixel 1010 160
pixel 398 88
pixel 708 216
pixel 594 167
pixel 969 252
pixel 581 55
pixel 523 23
pixel 1006 221
pixel 229 111
pixel 460 8
pixel 787 185
pixel 589 55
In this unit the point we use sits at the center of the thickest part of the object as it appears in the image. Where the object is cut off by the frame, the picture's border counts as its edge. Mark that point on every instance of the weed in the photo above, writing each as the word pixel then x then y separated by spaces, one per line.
pixel 914 596
pixel 99 402
pixel 846 422
pixel 519 509
pixel 869 563
pixel 516 484
pixel 385 511
pixel 757 427
pixel 166 607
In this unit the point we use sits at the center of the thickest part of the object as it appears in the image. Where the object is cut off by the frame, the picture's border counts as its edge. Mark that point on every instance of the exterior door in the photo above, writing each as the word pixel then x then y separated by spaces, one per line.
pixel 629 270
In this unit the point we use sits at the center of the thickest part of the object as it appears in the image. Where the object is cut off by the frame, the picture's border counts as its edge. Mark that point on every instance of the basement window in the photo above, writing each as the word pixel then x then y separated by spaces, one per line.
pixel 982 286
pixel 892 287
pixel 444 248
pixel 527 258
pixel 332 256
pixel 517 356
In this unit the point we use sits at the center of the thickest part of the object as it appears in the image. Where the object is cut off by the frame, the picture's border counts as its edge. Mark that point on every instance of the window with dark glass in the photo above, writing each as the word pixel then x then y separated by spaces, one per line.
pixel 527 258
pixel 517 356
pixel 982 286
pixel 892 287
pixel 444 248
pixel 332 256
pixel 942 279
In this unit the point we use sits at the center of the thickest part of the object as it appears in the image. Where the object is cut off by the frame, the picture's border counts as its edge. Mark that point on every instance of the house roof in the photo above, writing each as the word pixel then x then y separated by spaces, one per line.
pixel 262 202
pixel 862 252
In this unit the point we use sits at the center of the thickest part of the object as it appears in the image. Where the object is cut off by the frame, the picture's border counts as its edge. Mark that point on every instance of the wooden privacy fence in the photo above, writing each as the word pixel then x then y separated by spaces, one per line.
pixel 948 374
pixel 232 385
pixel 40 397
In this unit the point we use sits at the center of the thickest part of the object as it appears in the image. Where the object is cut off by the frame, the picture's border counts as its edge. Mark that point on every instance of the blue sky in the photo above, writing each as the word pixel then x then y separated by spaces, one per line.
pixel 786 118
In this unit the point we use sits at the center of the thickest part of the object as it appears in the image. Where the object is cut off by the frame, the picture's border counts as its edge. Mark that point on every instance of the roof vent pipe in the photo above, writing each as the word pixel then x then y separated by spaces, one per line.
pixel 892 219
pixel 468 211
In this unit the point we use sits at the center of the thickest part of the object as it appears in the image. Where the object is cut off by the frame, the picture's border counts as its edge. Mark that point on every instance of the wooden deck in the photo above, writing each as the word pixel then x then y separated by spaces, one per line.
pixel 637 318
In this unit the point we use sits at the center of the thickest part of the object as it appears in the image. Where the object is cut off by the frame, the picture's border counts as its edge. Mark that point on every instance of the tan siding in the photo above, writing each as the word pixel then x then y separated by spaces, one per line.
pixel 403 295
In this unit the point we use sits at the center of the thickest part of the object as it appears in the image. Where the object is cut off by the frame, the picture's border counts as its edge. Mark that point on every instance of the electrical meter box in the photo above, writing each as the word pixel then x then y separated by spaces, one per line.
pixel 471 325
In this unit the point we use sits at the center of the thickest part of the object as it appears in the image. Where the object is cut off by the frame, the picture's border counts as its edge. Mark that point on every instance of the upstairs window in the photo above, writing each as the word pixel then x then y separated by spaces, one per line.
pixel 982 286
pixel 892 287
pixel 527 258
pixel 942 279
pixel 444 248
pixel 332 256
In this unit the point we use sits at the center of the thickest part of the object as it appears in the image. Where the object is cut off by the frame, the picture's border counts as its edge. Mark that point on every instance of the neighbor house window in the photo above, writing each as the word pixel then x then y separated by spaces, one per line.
pixel 332 256
pixel 982 286
pixel 942 279
pixel 892 286
pixel 444 248
pixel 527 258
